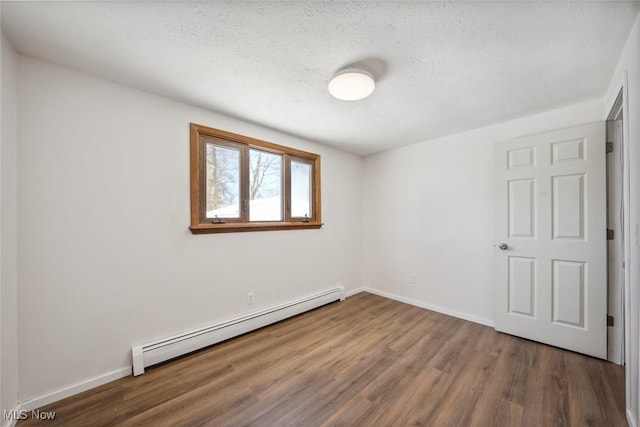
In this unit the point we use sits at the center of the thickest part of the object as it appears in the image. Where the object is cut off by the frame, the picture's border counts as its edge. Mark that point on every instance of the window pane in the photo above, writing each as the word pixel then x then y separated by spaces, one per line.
pixel 265 186
pixel 300 189
pixel 223 182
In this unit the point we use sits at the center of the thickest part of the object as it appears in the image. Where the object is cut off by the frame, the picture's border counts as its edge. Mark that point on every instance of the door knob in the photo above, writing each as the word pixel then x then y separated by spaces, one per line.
pixel 503 246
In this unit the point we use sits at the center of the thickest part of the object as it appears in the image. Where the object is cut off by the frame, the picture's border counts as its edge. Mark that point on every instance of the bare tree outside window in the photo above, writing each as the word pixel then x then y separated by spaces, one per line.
pixel 265 186
pixel 223 182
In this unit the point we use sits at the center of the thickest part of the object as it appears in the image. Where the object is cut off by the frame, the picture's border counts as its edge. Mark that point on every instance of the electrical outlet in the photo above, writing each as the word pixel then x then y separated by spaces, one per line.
pixel 250 296
pixel 412 278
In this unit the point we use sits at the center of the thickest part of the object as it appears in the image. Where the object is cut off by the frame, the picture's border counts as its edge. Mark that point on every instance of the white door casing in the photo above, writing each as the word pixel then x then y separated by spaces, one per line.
pixel 615 247
pixel 551 214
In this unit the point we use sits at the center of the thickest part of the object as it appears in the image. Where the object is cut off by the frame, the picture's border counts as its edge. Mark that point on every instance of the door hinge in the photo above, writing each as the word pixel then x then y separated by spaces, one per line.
pixel 609 234
pixel 609 320
pixel 609 146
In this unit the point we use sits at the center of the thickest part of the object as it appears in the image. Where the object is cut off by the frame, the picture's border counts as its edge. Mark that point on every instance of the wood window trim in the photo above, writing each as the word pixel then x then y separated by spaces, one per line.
pixel 200 224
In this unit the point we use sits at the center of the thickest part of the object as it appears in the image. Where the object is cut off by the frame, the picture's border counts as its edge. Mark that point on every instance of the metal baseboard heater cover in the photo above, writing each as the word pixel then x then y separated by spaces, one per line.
pixel 146 355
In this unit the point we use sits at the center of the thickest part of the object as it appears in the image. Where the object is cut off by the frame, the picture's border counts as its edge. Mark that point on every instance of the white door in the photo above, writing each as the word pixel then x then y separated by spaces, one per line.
pixel 551 238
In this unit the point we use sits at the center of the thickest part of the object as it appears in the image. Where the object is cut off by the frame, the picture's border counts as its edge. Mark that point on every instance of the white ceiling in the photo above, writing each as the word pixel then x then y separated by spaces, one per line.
pixel 441 68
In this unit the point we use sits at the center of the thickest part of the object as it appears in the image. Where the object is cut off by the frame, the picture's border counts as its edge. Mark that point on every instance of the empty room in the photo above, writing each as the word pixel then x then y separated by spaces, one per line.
pixel 320 213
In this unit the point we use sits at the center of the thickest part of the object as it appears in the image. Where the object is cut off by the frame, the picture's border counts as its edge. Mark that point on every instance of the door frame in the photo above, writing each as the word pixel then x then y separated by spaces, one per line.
pixel 616 113
pixel 612 106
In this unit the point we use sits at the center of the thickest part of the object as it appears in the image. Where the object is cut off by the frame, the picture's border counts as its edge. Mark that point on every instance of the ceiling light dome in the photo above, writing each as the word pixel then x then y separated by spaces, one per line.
pixel 351 84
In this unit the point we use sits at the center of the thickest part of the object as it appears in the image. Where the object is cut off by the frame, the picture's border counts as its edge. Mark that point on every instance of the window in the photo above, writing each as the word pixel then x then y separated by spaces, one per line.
pixel 244 184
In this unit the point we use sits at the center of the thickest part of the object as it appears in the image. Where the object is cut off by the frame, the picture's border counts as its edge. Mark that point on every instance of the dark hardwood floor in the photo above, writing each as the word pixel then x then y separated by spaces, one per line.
pixel 368 361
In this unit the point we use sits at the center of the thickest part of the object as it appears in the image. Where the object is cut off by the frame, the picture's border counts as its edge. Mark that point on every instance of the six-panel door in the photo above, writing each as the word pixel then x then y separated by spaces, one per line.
pixel 551 215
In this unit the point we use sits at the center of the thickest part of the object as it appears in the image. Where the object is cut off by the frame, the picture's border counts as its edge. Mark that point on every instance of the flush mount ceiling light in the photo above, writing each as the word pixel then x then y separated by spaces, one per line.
pixel 351 84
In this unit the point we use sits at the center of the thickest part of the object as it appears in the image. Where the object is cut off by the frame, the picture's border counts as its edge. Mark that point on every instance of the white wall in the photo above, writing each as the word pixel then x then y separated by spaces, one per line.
pixel 429 210
pixel 8 235
pixel 629 65
pixel 106 259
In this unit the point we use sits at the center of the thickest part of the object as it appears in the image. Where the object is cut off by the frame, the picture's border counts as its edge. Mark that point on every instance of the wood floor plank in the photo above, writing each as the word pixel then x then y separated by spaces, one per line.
pixel 411 401
pixel 367 361
pixel 469 382
pixel 493 411
pixel 350 414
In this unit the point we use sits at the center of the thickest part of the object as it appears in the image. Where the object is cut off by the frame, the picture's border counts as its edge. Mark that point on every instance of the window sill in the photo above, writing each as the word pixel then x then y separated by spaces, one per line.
pixel 254 226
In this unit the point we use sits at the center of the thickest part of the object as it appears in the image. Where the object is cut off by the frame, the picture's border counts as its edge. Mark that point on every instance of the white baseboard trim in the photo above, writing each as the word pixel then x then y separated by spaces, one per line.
pixel 448 312
pixel 38 402
pixel 631 419
pixel 352 292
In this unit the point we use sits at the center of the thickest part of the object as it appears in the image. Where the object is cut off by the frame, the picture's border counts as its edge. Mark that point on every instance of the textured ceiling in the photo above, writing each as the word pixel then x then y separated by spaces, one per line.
pixel 441 68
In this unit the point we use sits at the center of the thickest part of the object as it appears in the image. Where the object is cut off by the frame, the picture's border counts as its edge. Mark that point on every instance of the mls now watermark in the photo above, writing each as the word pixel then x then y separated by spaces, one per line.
pixel 36 414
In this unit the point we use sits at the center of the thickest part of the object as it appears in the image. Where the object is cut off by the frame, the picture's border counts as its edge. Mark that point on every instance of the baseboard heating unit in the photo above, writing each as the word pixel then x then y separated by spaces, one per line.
pixel 146 355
